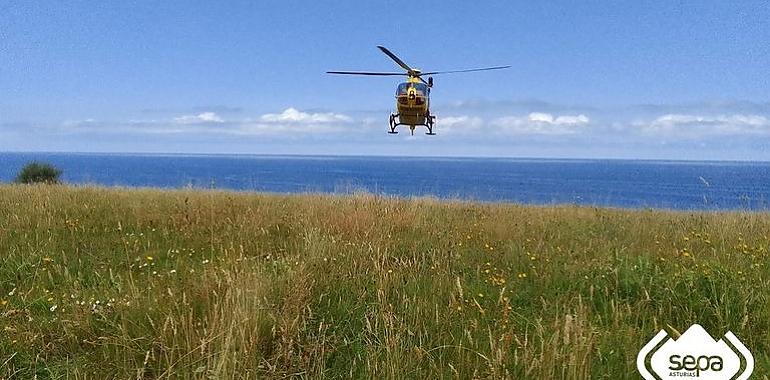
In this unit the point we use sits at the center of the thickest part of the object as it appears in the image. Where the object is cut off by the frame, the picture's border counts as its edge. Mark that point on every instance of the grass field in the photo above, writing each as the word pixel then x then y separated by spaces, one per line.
pixel 111 283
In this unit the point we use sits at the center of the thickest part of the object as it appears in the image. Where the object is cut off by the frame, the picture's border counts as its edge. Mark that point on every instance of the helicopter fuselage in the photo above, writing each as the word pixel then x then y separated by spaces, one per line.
pixel 413 102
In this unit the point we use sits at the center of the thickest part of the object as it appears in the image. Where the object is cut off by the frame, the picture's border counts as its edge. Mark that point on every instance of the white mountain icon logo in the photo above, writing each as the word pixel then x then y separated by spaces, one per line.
pixel 695 355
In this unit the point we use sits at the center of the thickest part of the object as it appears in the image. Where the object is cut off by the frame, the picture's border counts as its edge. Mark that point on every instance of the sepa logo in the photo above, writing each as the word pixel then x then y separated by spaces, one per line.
pixel 695 355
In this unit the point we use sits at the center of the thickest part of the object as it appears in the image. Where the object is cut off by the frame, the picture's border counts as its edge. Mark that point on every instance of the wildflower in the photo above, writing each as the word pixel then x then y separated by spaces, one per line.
pixel 390 270
pixel 205 261
pixel 53 308
pixel 149 258
pixel 172 271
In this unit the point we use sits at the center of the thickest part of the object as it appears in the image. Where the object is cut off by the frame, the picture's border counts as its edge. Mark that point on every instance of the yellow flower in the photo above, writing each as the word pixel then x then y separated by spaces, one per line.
pixel 149 258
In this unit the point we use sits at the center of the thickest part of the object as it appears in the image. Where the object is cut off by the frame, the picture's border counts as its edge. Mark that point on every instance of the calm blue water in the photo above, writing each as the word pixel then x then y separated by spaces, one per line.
pixel 620 183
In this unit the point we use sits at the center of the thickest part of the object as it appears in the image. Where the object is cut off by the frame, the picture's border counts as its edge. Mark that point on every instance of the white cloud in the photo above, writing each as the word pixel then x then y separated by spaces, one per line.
pixel 291 122
pixel 463 121
pixel 458 124
pixel 289 129
pixel 547 118
pixel 541 123
pixel 292 115
pixel 696 130
pixel 201 118
pixel 700 125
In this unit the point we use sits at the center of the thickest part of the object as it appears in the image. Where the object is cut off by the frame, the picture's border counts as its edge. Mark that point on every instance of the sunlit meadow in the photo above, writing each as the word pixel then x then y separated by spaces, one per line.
pixel 136 284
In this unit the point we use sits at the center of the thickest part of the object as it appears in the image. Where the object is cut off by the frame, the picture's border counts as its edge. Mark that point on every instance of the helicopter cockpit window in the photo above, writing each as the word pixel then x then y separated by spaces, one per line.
pixel 402 88
pixel 421 88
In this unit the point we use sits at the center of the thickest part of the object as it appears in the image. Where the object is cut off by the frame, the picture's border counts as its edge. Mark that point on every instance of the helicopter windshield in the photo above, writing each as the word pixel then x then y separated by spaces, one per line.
pixel 422 88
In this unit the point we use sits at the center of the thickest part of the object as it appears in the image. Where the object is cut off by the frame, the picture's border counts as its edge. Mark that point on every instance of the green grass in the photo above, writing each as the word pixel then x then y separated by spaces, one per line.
pixel 112 283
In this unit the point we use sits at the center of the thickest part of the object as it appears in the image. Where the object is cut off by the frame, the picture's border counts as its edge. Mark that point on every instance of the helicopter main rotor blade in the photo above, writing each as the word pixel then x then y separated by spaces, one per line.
pixel 363 73
pixel 396 59
pixel 465 71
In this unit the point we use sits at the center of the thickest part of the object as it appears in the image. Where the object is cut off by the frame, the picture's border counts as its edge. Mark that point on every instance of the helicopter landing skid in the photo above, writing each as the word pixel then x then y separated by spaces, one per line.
pixel 429 123
pixel 392 123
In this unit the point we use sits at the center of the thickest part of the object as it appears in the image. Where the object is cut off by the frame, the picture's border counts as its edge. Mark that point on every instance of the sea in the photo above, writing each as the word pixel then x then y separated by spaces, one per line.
pixel 678 185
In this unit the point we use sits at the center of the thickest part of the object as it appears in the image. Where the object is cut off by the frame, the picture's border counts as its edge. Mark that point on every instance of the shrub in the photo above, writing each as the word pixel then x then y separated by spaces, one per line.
pixel 38 172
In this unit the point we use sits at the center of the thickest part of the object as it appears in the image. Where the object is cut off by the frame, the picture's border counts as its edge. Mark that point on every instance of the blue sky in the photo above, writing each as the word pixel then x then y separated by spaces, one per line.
pixel 662 80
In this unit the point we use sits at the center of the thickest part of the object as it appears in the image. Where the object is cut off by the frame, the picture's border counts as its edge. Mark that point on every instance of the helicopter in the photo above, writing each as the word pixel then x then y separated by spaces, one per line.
pixel 412 96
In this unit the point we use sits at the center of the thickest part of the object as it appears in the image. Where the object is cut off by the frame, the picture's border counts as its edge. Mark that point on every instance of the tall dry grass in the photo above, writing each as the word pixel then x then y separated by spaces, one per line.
pixel 116 283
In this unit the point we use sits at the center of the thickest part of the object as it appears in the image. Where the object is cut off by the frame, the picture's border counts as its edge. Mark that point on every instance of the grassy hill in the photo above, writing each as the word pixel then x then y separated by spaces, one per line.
pixel 112 283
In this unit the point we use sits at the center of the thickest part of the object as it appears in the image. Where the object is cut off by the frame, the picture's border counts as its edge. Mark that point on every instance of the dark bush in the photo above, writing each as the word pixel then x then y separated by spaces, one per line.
pixel 38 172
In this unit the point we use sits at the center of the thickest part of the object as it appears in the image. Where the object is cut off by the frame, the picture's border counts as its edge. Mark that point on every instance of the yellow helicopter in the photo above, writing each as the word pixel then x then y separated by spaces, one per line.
pixel 412 96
